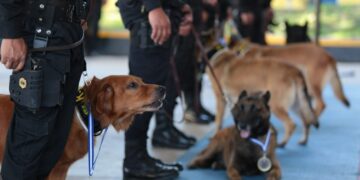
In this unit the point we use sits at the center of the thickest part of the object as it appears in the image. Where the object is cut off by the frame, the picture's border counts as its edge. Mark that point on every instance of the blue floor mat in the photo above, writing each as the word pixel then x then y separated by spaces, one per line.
pixel 331 154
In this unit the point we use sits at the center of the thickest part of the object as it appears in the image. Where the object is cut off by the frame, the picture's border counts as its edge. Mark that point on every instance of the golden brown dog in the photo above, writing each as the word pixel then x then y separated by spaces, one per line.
pixel 286 84
pixel 233 148
pixel 115 100
pixel 317 66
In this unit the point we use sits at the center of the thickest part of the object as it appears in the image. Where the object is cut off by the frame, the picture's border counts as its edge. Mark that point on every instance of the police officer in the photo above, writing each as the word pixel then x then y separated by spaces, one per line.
pixel 43 113
pixel 254 16
pixel 152 24
pixel 190 73
pixel 91 36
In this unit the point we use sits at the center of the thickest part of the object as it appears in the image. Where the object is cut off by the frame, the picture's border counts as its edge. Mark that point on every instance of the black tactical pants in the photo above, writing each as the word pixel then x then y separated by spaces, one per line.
pixel 36 141
pixel 186 63
pixel 152 65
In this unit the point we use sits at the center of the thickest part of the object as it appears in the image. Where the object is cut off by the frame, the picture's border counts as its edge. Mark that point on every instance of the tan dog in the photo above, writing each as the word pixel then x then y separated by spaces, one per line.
pixel 286 84
pixel 115 100
pixel 233 148
pixel 317 66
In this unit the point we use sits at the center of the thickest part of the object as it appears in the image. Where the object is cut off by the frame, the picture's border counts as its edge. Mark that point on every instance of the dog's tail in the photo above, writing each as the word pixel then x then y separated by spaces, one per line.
pixel 304 107
pixel 336 83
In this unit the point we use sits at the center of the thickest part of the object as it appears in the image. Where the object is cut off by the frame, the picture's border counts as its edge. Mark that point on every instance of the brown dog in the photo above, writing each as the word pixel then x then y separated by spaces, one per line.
pixel 286 84
pixel 233 149
pixel 115 100
pixel 317 66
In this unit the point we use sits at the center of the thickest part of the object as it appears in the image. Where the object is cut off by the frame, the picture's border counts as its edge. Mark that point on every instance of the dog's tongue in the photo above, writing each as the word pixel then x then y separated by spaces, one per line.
pixel 244 134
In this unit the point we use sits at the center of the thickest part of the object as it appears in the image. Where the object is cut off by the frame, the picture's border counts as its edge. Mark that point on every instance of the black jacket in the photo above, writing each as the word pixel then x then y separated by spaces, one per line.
pixel 133 11
pixel 253 5
pixel 12 17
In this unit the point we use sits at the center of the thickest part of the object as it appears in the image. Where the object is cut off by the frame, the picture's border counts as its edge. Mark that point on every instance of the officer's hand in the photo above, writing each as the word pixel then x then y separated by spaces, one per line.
pixel 247 18
pixel 84 25
pixel 160 24
pixel 211 2
pixel 187 21
pixel 13 53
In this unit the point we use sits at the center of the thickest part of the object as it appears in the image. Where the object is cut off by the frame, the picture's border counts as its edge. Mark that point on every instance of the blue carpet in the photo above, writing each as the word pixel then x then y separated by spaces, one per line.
pixel 332 152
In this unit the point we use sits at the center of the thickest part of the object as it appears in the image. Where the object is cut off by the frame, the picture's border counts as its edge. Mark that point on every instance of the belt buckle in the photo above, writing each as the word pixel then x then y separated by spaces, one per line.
pixel 40 42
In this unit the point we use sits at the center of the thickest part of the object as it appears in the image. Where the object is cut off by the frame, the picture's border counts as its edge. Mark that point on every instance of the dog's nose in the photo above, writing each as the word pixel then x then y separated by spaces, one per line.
pixel 161 90
pixel 242 126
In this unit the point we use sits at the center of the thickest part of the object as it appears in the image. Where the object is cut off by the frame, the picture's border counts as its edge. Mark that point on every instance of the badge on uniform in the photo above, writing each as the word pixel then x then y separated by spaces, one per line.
pixel 22 83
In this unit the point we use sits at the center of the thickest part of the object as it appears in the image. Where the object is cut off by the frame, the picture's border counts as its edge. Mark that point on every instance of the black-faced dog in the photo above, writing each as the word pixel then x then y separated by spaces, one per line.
pixel 248 147
pixel 297 33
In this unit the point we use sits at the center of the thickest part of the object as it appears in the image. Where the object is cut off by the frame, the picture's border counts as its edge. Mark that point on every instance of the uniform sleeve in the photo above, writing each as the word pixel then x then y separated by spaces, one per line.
pixel 266 4
pixel 179 3
pixel 246 5
pixel 151 4
pixel 12 18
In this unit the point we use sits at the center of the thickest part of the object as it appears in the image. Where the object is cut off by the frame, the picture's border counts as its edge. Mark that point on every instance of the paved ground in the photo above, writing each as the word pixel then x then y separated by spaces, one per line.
pixel 332 153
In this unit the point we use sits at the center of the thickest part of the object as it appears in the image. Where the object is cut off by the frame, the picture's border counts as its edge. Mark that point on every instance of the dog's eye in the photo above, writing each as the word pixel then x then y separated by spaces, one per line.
pixel 132 85
pixel 242 108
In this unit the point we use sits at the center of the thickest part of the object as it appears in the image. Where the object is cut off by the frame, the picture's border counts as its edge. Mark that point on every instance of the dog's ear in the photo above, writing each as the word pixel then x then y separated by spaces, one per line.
pixel 287 24
pixel 266 97
pixel 105 100
pixel 91 86
pixel 94 80
pixel 243 94
pixel 306 25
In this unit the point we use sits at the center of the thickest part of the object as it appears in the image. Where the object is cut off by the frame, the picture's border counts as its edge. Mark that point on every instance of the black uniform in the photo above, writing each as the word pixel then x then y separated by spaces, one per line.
pixel 91 39
pixel 190 70
pixel 256 31
pixel 37 137
pixel 151 63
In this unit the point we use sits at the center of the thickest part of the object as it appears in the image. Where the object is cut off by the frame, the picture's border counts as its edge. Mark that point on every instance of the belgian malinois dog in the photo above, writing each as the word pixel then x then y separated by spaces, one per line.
pixel 248 147
pixel 317 66
pixel 296 33
pixel 285 82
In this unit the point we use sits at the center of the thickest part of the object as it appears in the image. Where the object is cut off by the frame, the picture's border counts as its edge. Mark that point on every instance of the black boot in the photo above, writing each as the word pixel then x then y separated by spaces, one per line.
pixel 195 112
pixel 139 165
pixel 168 136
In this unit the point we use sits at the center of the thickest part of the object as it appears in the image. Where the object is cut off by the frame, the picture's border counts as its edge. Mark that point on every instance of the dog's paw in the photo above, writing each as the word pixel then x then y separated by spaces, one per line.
pixel 317 125
pixel 274 175
pixel 193 165
pixel 281 145
pixel 302 142
pixel 217 166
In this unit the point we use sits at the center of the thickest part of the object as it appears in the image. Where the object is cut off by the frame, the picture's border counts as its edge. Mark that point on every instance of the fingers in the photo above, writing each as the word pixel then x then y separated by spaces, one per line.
pixel 14 63
pixel 155 35
pixel 161 33
pixel 166 34
pixel 13 53
pixel 20 66
pixel 160 24
pixel 9 64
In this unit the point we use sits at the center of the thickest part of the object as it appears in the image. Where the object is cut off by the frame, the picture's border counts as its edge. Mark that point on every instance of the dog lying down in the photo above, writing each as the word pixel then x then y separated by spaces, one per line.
pixel 248 147
pixel 115 100
pixel 285 82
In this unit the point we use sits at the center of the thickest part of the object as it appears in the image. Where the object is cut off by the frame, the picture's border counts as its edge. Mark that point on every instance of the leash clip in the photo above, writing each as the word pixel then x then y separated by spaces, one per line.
pixel 86 78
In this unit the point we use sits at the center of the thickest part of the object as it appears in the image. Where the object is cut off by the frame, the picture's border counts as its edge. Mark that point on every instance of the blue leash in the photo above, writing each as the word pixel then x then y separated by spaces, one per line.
pixel 91 160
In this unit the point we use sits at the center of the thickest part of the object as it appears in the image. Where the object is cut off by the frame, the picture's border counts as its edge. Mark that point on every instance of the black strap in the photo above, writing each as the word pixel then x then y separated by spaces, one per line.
pixel 60 48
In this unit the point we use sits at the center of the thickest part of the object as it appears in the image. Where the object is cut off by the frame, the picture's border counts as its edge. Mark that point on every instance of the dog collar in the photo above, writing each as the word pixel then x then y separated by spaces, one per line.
pixel 82 113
